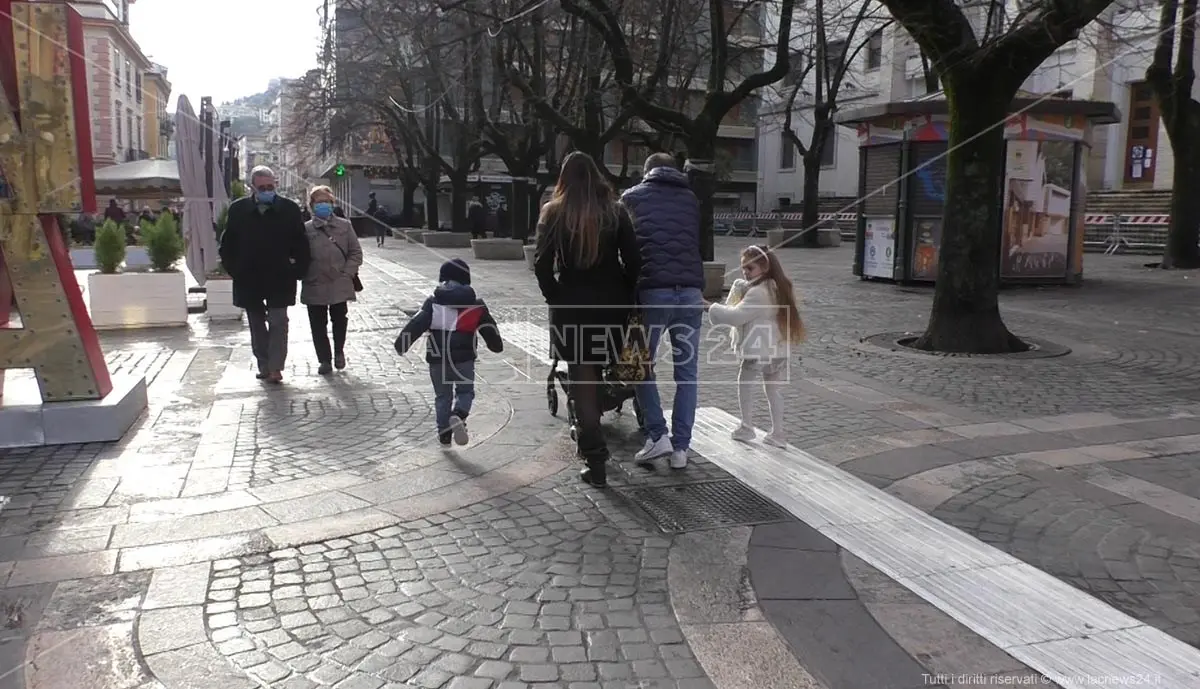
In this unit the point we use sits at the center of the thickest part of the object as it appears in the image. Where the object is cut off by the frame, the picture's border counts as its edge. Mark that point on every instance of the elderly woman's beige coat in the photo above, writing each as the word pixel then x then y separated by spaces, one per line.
pixel 336 258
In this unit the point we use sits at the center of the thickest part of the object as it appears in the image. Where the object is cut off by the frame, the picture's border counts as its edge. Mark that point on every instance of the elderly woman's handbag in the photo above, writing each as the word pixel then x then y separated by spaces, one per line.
pixel 358 286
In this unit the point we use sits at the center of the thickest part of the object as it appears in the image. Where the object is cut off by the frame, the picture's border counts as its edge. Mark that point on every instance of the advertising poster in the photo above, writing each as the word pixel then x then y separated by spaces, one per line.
pixel 927 240
pixel 1039 179
pixel 879 248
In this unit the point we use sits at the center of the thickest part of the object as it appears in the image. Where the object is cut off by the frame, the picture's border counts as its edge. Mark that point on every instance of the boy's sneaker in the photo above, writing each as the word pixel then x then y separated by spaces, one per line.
pixel 654 449
pixel 743 434
pixel 444 437
pixel 679 459
pixel 458 429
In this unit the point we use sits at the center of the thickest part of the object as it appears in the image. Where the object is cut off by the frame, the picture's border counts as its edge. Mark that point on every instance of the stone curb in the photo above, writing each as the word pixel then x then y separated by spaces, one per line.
pixel 712 600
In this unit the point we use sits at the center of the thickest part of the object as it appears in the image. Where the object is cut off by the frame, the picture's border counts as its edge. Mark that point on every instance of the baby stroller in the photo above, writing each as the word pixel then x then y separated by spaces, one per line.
pixel 613 395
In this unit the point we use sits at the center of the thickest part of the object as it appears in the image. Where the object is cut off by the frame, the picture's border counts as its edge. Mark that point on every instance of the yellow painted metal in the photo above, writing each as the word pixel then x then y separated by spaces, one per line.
pixel 47 107
pixel 40 164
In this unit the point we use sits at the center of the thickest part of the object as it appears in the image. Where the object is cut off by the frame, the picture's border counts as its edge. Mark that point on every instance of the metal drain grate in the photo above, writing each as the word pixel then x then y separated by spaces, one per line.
pixel 704 505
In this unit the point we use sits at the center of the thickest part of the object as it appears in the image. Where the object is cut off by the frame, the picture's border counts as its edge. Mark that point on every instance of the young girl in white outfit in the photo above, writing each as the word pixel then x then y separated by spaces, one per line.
pixel 766 322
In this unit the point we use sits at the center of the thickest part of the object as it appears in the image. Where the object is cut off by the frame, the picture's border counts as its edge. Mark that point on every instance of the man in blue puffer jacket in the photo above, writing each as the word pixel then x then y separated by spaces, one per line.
pixel 666 216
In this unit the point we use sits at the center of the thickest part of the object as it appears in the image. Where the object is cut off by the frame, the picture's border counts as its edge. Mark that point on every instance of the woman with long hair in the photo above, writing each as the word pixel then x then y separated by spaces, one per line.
pixel 585 236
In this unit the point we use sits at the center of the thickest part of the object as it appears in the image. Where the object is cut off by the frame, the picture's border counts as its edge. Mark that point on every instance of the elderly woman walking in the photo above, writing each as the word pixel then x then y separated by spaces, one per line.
pixel 332 278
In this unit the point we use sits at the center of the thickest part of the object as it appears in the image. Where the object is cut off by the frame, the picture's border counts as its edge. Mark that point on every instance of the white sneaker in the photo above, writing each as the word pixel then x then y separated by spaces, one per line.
pixel 654 449
pixel 743 434
pixel 679 459
pixel 458 429
pixel 775 440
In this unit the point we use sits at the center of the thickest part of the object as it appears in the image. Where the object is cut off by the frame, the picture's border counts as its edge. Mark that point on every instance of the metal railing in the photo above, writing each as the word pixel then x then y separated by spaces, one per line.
pixel 1109 233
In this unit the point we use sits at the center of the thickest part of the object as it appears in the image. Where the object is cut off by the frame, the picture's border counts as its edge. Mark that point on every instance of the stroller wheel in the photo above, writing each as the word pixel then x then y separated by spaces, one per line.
pixel 552 400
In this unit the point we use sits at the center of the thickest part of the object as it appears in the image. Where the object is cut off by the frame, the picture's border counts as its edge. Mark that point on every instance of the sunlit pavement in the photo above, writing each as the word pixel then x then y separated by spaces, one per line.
pixel 316 534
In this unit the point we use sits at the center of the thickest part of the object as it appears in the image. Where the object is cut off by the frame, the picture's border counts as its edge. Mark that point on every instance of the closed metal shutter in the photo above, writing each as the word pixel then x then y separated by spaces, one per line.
pixel 882 180
pixel 928 180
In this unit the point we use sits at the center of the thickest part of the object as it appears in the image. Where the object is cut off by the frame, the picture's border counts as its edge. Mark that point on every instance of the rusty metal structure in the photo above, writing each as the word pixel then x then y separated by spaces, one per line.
pixel 45 171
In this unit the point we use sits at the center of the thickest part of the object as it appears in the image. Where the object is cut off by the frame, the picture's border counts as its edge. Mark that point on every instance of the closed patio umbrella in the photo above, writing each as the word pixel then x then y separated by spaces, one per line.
pixel 201 254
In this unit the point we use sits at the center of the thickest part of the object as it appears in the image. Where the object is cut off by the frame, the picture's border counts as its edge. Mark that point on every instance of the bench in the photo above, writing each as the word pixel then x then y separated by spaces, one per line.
pixel 497 249
pixel 446 240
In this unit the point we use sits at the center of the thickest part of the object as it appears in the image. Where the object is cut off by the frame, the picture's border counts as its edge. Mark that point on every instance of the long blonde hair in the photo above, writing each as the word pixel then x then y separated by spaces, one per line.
pixel 788 316
pixel 582 205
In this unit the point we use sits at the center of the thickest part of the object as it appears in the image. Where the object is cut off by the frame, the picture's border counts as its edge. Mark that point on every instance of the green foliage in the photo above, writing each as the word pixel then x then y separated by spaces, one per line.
pixel 222 221
pixel 109 248
pixel 237 189
pixel 163 243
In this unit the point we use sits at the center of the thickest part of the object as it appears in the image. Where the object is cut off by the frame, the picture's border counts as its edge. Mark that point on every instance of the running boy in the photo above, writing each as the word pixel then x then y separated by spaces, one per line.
pixel 452 316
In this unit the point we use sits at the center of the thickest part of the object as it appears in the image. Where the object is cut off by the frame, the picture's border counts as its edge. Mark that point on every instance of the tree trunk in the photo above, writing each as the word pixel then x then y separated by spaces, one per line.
pixel 518 209
pixel 410 202
pixel 701 150
pixel 810 208
pixel 1183 234
pixel 966 308
pixel 459 193
pixel 431 205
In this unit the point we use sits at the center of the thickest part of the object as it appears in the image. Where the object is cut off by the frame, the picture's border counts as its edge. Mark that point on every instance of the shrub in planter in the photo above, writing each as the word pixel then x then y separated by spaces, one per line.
pixel 163 243
pixel 109 247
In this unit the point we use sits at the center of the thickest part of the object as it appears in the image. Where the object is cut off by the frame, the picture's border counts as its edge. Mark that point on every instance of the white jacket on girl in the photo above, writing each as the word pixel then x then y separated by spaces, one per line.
pixel 753 312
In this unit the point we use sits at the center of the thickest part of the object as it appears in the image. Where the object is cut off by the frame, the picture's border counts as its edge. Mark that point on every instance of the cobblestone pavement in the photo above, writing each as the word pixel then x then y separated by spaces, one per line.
pixel 315 535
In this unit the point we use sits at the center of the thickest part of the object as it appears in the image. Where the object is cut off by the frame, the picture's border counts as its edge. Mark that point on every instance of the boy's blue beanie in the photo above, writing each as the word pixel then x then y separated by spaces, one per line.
pixel 455 270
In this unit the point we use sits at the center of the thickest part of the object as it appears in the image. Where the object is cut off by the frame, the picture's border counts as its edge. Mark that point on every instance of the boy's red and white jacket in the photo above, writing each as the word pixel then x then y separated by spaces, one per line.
pixel 452 317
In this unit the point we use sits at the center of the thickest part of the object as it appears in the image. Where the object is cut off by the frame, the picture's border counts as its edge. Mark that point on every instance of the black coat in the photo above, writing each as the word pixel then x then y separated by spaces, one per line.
pixel 589 305
pixel 265 252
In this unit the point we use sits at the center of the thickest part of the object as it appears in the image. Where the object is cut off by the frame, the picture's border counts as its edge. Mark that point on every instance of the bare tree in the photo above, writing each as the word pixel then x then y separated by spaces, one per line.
pixel 727 83
pixel 831 42
pixel 1172 75
pixel 427 64
pixel 981 69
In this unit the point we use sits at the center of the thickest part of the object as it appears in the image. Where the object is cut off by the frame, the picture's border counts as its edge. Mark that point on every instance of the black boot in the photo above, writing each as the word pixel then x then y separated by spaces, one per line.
pixel 594 452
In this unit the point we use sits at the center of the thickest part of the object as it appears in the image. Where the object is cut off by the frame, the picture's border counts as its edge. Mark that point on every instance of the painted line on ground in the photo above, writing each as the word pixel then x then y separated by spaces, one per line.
pixel 1040 620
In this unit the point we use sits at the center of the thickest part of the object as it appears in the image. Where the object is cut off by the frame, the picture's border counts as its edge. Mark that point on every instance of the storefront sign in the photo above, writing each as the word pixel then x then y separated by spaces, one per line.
pixel 879 248
pixel 927 241
pixel 1037 209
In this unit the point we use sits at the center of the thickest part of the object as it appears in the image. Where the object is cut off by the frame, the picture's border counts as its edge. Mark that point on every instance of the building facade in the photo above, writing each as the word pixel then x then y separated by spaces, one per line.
pixel 1107 63
pixel 128 94
pixel 158 125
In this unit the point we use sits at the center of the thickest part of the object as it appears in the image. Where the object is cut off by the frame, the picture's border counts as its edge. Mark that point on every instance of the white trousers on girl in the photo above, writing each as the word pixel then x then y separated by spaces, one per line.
pixel 773 376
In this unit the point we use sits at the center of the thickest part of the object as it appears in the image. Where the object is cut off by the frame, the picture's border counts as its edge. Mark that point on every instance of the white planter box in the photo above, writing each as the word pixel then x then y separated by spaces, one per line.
pixel 84 257
pixel 218 301
pixel 137 300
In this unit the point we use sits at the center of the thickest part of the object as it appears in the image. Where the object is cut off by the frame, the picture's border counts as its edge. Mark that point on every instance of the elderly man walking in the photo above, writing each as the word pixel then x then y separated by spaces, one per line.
pixel 265 250
pixel 670 293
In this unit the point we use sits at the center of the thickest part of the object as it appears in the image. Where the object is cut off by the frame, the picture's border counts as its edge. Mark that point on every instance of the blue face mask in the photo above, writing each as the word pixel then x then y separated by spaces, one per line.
pixel 265 196
pixel 323 209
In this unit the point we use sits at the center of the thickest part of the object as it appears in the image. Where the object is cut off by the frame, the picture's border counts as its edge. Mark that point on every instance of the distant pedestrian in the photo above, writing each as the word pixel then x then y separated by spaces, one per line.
pixel 379 226
pixel 670 294
pixel 762 309
pixel 114 212
pixel 586 266
pixel 265 250
pixel 477 219
pixel 330 283
pixel 452 317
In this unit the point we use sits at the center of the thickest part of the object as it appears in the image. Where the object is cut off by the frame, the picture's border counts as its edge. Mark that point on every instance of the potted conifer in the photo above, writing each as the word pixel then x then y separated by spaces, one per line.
pixel 138 298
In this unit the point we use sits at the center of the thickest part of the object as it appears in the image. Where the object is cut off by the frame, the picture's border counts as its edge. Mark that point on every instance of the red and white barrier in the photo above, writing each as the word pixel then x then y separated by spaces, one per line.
pixel 1088 218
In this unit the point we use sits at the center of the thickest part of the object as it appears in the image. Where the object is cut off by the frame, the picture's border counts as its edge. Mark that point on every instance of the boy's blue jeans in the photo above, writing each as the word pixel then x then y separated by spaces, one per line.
pixel 453 389
pixel 680 312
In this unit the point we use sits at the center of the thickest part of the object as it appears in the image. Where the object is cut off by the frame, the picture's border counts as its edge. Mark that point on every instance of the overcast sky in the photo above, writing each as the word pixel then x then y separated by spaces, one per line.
pixel 226 48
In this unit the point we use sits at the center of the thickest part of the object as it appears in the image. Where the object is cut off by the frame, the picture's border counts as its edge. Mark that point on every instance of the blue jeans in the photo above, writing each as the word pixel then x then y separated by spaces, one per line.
pixel 679 312
pixel 453 390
